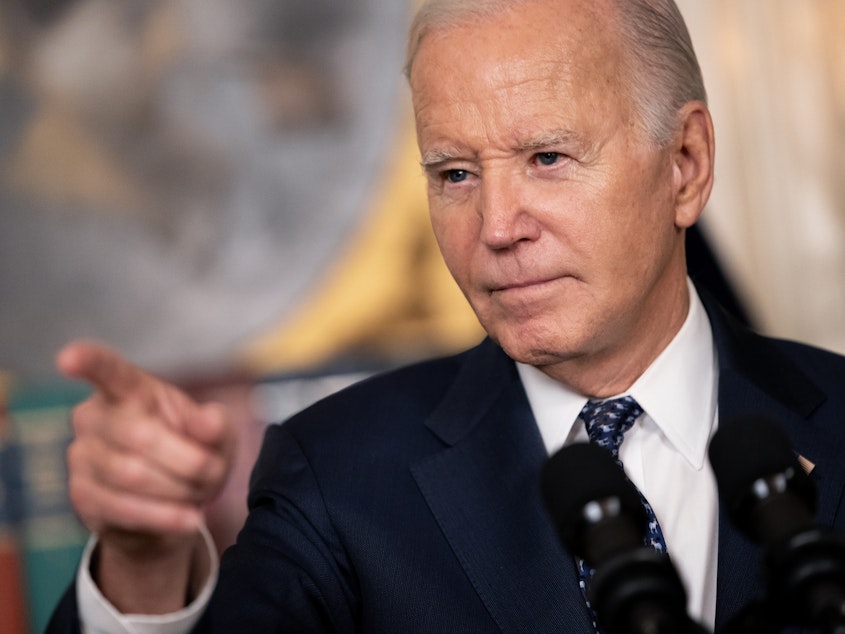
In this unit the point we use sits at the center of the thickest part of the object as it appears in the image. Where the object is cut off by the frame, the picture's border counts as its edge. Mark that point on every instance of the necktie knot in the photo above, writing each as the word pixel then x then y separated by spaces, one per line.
pixel 607 421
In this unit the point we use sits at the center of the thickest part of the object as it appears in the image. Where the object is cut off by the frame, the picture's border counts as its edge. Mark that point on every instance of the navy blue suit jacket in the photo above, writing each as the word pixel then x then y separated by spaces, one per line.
pixel 410 502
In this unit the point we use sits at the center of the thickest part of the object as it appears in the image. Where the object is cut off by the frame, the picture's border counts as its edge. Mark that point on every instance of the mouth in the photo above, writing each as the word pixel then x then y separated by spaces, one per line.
pixel 523 285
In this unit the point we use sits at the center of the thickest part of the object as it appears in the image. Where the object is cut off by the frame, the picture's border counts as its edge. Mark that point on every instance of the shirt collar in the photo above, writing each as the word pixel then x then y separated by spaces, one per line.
pixel 677 391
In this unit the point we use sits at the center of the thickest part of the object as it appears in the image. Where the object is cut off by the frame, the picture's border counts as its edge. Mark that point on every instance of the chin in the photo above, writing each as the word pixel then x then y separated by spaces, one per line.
pixel 536 338
pixel 534 351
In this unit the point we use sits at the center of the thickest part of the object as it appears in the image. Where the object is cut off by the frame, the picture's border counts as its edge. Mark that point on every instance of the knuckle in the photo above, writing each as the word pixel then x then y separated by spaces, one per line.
pixel 83 500
pixel 198 468
pixel 75 456
pixel 138 433
pixel 203 475
pixel 217 415
pixel 82 456
pixel 82 417
pixel 129 473
pixel 213 472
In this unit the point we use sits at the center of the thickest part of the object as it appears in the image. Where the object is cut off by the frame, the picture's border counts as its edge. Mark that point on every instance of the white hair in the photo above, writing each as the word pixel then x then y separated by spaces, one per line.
pixel 662 68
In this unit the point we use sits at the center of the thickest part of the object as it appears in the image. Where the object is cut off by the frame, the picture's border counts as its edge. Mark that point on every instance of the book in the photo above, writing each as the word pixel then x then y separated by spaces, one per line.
pixel 50 536
pixel 13 619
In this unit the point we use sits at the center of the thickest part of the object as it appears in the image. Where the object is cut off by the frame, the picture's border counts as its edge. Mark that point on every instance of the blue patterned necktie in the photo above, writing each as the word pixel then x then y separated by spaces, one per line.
pixel 606 422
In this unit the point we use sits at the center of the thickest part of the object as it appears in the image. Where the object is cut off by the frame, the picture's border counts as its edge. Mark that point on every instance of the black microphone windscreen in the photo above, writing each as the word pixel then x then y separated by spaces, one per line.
pixel 577 475
pixel 764 490
pixel 600 517
pixel 746 449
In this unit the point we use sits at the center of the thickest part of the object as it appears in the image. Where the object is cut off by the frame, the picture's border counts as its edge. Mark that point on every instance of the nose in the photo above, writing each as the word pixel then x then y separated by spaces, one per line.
pixel 506 216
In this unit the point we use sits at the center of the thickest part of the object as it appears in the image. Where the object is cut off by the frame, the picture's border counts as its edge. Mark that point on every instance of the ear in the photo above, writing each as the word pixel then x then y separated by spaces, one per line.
pixel 692 162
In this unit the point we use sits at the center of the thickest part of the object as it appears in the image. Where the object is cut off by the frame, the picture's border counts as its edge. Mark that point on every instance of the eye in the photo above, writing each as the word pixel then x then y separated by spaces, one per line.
pixel 455 176
pixel 547 158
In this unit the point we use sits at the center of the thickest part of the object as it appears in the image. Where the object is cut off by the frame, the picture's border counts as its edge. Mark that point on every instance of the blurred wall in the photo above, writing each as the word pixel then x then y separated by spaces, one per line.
pixel 206 184
pixel 177 175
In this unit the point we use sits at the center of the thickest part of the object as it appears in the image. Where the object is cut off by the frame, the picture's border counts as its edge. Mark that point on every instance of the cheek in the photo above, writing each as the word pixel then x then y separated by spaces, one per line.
pixel 441 232
pixel 456 234
pixel 639 219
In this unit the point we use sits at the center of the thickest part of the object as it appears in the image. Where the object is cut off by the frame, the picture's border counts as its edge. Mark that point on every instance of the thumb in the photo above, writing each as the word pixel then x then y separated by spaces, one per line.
pixel 211 425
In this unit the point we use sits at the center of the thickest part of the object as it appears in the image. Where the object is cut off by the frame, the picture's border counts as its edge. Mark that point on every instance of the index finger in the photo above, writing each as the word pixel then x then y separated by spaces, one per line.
pixel 104 368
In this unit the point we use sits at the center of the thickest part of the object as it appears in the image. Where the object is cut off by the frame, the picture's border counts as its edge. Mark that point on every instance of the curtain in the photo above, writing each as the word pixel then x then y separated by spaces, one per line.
pixel 775 73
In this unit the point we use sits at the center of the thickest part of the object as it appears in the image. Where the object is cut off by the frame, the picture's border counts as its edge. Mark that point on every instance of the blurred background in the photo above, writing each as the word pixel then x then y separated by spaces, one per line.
pixel 229 193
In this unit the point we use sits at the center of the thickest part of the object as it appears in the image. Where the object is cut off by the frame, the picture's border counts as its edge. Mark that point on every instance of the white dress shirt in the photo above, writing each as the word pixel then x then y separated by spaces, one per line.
pixel 98 616
pixel 665 452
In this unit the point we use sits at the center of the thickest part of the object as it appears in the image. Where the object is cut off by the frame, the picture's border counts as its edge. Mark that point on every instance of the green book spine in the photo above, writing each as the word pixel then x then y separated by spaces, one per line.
pixel 50 534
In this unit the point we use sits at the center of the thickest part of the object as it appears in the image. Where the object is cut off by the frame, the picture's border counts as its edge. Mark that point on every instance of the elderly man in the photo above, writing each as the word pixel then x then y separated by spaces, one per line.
pixel 567 148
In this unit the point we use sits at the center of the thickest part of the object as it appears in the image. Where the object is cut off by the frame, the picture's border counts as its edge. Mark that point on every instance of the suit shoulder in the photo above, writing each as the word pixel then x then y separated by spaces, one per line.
pixel 805 378
pixel 819 364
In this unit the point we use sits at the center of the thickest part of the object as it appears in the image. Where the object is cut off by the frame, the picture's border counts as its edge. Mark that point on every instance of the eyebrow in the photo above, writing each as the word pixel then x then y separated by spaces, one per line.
pixel 437 157
pixel 553 138
pixel 549 139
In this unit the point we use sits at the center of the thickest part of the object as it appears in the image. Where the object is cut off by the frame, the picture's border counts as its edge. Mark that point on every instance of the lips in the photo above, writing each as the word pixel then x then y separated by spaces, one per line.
pixel 519 285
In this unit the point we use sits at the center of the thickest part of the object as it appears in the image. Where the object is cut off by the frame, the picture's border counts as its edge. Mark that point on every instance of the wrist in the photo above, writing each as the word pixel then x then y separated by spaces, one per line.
pixel 144 574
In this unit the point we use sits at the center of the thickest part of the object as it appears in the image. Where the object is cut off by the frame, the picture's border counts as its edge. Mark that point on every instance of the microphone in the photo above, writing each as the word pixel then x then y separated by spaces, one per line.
pixel 599 516
pixel 767 495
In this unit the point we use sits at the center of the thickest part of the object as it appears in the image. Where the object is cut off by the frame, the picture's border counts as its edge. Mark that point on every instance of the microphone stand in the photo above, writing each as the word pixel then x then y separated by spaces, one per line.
pixel 805 581
pixel 806 574
pixel 639 592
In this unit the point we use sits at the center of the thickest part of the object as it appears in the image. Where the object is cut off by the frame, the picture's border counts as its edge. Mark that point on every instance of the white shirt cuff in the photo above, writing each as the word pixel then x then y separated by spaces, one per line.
pixel 98 616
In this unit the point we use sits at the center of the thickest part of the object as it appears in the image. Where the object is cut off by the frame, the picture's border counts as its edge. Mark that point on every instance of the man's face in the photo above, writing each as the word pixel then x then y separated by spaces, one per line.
pixel 553 213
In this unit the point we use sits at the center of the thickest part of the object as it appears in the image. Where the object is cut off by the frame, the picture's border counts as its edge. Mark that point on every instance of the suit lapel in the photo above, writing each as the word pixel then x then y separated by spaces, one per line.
pixel 484 491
